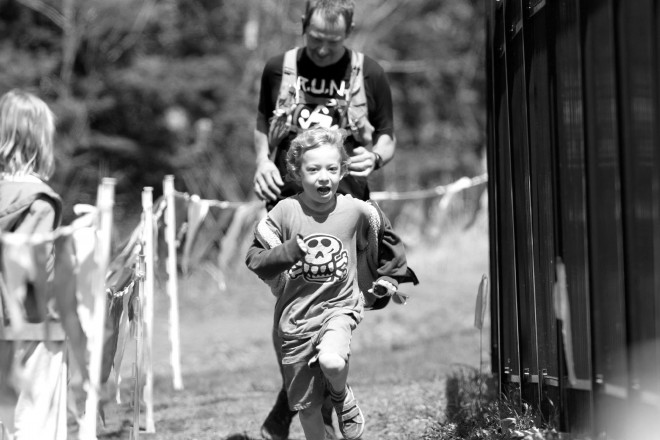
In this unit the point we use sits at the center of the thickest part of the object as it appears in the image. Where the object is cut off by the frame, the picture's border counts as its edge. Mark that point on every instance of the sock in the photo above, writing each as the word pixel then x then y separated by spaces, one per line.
pixel 337 396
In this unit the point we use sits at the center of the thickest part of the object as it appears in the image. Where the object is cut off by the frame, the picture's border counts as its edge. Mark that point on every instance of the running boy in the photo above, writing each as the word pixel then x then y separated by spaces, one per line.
pixel 310 249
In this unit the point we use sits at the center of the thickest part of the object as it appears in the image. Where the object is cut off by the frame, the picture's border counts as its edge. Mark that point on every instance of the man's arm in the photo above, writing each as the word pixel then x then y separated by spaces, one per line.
pixel 267 179
pixel 261 150
pixel 381 121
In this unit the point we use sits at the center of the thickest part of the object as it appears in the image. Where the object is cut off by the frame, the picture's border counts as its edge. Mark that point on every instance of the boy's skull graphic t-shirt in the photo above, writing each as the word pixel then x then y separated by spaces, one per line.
pixel 324 283
pixel 326 260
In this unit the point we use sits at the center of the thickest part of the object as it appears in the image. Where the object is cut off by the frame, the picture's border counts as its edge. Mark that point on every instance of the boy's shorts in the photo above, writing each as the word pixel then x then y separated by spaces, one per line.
pixel 303 379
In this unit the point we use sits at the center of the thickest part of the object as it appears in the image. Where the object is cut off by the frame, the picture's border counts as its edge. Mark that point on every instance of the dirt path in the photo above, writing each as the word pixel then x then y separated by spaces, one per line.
pixel 401 355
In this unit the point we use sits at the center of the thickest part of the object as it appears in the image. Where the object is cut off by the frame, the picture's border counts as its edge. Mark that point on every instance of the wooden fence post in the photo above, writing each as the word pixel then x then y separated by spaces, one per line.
pixel 172 283
pixel 148 304
pixel 104 204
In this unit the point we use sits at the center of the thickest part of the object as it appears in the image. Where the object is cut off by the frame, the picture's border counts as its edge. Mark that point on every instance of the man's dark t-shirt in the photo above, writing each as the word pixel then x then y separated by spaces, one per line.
pixel 324 85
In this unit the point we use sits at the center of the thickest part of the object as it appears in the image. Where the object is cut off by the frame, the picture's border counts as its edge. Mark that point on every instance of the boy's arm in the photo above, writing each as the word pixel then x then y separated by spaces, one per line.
pixel 392 267
pixel 383 265
pixel 268 256
pixel 268 263
pixel 391 254
pixel 392 260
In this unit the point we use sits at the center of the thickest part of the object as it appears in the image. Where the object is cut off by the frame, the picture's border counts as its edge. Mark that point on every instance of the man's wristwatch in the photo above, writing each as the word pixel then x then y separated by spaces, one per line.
pixel 378 161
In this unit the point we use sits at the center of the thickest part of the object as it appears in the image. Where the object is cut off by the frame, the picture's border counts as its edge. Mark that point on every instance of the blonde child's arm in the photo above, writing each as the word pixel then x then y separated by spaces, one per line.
pixel 40 218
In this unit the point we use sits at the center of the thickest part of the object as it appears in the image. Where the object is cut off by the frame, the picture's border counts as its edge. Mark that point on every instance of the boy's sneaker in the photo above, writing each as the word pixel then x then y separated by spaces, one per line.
pixel 276 426
pixel 351 420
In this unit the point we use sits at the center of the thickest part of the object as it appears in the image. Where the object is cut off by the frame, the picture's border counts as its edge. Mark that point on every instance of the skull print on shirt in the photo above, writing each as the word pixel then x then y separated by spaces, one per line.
pixel 326 260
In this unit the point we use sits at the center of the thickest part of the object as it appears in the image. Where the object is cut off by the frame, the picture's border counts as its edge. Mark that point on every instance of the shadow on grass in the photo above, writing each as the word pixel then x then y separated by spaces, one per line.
pixel 240 437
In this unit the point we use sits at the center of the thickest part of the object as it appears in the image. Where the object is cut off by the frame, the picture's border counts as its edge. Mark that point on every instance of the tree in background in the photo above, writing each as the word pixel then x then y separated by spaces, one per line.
pixel 144 88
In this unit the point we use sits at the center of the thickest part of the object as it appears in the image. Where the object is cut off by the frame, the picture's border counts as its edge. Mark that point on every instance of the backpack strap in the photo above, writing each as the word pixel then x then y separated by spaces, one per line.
pixel 289 67
pixel 13 215
pixel 288 92
pixel 289 88
pixel 357 99
pixel 279 124
pixel 289 95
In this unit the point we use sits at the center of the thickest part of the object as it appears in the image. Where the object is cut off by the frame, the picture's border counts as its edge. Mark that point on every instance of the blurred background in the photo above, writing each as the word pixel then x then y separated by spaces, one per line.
pixel 145 88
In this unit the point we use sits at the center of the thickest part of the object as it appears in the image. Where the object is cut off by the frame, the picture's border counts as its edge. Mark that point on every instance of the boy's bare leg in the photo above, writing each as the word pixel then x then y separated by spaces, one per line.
pixel 351 419
pixel 276 425
pixel 312 423
pixel 335 370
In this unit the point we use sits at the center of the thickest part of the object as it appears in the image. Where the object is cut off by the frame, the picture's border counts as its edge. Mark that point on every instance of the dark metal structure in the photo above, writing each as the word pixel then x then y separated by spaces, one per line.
pixel 574 190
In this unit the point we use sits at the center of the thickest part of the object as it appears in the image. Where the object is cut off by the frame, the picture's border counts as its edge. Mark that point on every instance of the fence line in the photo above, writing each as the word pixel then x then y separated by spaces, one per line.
pixel 18 238
pixel 459 185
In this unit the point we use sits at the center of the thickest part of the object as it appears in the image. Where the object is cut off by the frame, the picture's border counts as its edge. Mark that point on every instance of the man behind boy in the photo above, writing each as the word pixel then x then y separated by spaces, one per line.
pixel 323 68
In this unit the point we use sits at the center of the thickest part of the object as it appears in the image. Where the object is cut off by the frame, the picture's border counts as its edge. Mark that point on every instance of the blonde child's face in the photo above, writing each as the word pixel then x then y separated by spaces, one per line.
pixel 320 173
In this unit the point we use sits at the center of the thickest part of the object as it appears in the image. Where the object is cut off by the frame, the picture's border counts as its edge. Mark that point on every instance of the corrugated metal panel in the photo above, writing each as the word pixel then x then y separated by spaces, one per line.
pixel 572 211
pixel 509 348
pixel 493 217
pixel 640 174
pixel 521 186
pixel 541 147
pixel 574 171
pixel 605 213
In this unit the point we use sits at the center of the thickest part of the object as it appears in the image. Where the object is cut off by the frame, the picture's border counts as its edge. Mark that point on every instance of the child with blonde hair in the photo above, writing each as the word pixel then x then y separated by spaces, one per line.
pixel 33 371
pixel 309 250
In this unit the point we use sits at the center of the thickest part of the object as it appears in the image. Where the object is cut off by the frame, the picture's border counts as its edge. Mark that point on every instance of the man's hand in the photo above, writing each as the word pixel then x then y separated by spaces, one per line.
pixel 360 126
pixel 362 162
pixel 267 181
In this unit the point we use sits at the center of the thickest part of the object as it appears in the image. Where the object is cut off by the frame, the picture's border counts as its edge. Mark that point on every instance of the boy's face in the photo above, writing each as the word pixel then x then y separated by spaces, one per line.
pixel 320 173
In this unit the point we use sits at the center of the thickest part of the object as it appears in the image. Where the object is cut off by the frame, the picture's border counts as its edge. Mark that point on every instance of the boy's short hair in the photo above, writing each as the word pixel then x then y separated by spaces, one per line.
pixel 27 129
pixel 314 138
pixel 331 10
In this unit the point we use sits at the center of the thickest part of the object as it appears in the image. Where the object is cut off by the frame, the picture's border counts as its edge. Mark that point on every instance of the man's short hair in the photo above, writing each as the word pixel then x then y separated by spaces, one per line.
pixel 331 11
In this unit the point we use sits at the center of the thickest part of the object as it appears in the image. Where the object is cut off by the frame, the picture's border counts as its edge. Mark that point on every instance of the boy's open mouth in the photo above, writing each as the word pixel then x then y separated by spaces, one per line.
pixel 323 190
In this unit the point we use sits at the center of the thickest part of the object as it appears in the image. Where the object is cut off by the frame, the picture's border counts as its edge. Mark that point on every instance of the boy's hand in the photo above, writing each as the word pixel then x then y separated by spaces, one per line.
pixel 301 243
pixel 384 286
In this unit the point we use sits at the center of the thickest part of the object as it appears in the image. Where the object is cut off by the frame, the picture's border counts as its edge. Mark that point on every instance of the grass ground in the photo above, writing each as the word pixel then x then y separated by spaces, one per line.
pixel 402 355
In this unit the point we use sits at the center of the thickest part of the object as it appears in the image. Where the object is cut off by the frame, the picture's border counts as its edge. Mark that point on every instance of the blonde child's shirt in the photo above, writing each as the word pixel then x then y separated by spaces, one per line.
pixel 323 282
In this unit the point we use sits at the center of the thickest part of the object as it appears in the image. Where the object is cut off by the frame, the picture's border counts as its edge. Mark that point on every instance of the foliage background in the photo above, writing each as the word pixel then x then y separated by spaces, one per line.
pixel 145 88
